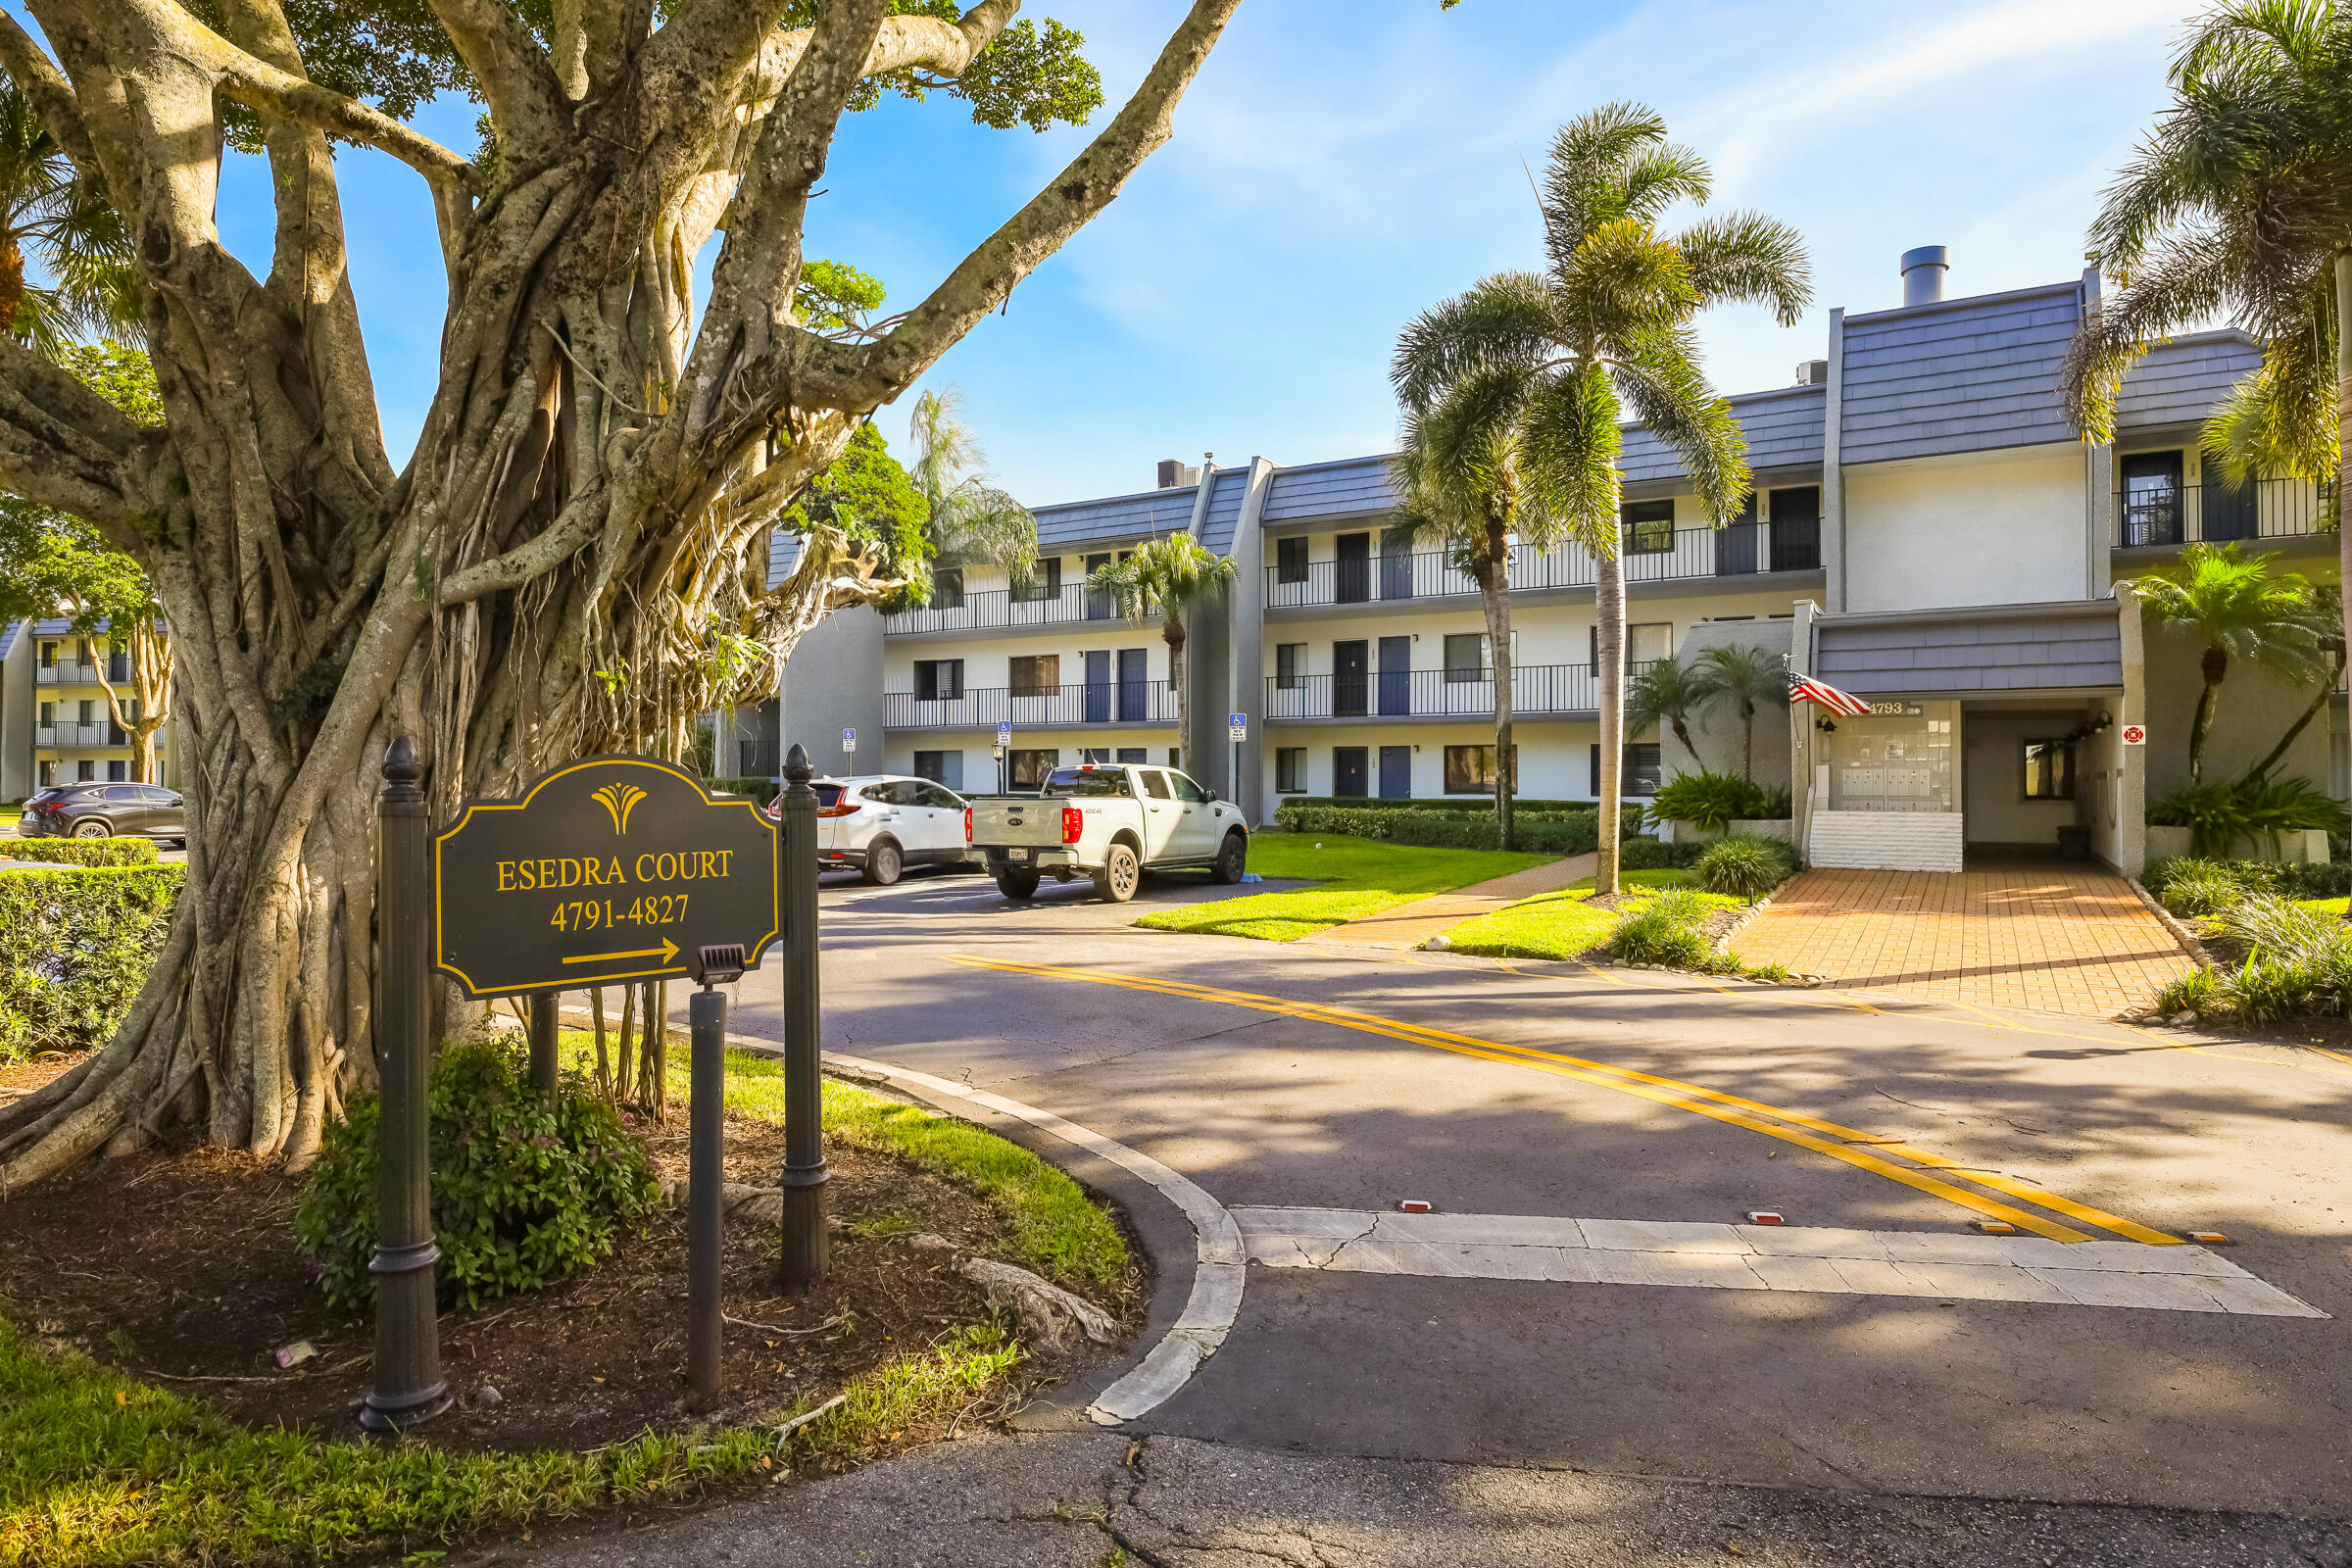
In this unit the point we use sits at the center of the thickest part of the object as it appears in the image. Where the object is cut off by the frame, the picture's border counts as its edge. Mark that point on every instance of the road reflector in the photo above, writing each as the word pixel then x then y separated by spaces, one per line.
pixel 1765 1216
pixel 1415 1205
pixel 1996 1227
pixel 2207 1237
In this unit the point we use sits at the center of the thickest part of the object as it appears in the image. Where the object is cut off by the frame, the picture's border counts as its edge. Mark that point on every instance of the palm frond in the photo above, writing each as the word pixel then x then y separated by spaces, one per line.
pixel 1750 258
pixel 1571 441
pixel 1508 319
pixel 1659 375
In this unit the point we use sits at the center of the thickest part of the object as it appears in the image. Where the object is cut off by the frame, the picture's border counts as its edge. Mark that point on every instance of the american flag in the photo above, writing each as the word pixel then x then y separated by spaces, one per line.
pixel 1805 689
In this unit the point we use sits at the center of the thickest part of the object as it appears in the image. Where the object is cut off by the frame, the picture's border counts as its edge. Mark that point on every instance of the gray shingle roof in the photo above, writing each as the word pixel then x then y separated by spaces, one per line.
pixel 1063 528
pixel 2178 382
pixel 1960 375
pixel 1224 509
pixel 1994 649
pixel 1349 488
pixel 1783 428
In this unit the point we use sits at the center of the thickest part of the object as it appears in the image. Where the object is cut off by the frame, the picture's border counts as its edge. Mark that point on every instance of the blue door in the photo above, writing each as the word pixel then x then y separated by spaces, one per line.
pixel 1395 772
pixel 1135 692
pixel 1097 686
pixel 1396 675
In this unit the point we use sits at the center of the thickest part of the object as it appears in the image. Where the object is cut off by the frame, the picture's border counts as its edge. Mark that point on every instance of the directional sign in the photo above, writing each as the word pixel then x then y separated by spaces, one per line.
pixel 849 740
pixel 1237 725
pixel 612 868
pixel 2136 734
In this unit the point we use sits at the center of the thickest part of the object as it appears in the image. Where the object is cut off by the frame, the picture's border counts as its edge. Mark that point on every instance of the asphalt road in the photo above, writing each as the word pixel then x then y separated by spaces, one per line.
pixel 2105 1129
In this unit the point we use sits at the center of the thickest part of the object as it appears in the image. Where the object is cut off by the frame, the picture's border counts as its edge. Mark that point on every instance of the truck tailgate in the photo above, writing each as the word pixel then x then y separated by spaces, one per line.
pixel 1034 825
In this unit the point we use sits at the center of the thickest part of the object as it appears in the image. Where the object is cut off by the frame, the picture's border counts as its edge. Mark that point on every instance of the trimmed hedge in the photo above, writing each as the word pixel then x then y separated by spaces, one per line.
pixel 80 852
pixel 1538 832
pixel 2205 882
pixel 1520 805
pixel 81 940
pixel 1655 855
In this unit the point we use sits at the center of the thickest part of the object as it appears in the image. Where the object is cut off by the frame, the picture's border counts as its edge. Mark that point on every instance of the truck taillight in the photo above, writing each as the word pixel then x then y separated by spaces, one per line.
pixel 1074 823
pixel 967 825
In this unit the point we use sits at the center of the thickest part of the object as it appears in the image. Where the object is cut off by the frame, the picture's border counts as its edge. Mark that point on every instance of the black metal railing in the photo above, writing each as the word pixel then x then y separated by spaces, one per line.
pixel 1648 555
pixel 1072 603
pixel 1536 690
pixel 1109 702
pixel 2152 514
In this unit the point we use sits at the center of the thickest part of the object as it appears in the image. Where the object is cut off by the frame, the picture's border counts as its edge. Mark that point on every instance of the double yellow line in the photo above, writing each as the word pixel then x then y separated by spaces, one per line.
pixel 1864 1150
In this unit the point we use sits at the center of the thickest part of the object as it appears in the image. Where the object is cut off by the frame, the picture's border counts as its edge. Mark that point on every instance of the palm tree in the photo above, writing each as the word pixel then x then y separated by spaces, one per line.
pixel 2238 204
pixel 1665 693
pixel 1748 679
pixel 1552 357
pixel 1168 578
pixel 2236 607
pixel 71 231
pixel 971 520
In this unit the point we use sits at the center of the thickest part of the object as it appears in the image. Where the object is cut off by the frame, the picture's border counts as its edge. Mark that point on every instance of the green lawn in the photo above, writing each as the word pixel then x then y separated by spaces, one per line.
pixel 1561 925
pixel 1355 877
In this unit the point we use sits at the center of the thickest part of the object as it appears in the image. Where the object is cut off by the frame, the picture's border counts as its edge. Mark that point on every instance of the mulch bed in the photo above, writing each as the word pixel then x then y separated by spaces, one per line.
pixel 182 1268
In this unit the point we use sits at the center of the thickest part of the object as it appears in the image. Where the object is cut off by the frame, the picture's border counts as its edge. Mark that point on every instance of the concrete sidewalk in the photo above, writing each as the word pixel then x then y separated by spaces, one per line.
pixel 1408 925
pixel 1089 1499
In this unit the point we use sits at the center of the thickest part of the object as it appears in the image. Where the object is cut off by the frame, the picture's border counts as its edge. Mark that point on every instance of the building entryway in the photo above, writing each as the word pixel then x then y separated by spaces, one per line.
pixel 2054 936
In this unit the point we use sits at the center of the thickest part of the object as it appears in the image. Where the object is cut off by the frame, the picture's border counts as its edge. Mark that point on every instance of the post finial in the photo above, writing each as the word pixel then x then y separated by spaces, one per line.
pixel 798 769
pixel 400 761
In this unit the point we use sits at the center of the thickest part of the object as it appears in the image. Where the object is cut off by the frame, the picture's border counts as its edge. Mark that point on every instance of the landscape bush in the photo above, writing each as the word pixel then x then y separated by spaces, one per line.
pixel 1745 865
pixel 1712 802
pixel 81 852
pixel 76 944
pixel 527 1188
pixel 1520 806
pixel 2292 962
pixel 1656 854
pixel 2222 816
pixel 1665 932
pixel 1538 832
pixel 2192 888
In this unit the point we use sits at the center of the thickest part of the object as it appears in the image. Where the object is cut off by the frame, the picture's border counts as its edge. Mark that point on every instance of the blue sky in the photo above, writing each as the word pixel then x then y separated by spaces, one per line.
pixel 1342 163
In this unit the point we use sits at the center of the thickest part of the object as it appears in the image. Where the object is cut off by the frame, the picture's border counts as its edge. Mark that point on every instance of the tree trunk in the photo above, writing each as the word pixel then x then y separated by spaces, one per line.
pixel 2302 723
pixel 1172 632
pixel 1682 732
pixel 1494 592
pixel 1747 741
pixel 2343 422
pixel 1608 605
pixel 2216 667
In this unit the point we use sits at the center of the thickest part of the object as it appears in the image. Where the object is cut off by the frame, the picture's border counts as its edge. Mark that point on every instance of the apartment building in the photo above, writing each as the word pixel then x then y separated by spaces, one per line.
pixel 1927 533
pixel 55 727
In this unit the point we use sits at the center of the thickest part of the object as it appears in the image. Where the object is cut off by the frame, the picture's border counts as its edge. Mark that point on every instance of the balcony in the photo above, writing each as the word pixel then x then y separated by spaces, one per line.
pixel 998 609
pixel 66 673
pixel 2153 515
pixel 1106 704
pixel 1692 555
pixel 1538 691
pixel 69 735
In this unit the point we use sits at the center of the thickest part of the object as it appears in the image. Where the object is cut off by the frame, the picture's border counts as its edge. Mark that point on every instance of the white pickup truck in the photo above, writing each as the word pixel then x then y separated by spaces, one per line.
pixel 1109 822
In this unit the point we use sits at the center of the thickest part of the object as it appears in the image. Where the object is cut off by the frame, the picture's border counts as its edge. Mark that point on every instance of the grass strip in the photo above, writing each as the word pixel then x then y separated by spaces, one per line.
pixel 1562 925
pixel 1357 878
pixel 1056 1229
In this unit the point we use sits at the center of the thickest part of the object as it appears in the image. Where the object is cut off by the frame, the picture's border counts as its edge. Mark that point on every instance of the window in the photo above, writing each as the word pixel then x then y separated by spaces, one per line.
pixel 1036 675
pixel 83 772
pixel 1648 527
pixel 1187 789
pixel 48 773
pixel 1044 582
pixel 1094 753
pixel 1072 783
pixel 1133 754
pixel 1290 560
pixel 1156 785
pixel 90 710
pixel 48 656
pixel 1468 658
pixel 2049 771
pixel 1029 769
pixel 938 680
pixel 1470 769
pixel 1175 756
pixel 940 767
pixel 1290 770
pixel 48 712
pixel 947 588
pixel 938 797
pixel 1289 665
pixel 1646 643
pixel 1641 773
pixel 116 773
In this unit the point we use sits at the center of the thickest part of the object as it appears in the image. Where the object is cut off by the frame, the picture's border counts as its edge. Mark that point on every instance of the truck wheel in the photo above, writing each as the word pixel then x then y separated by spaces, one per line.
pixel 1120 871
pixel 1017 884
pixel 882 863
pixel 1232 857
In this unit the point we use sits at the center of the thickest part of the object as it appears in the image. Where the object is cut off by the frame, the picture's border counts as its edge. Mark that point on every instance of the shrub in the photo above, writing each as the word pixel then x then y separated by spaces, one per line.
pixel 1745 865
pixel 1712 802
pixel 1656 854
pixel 2294 961
pixel 79 943
pixel 1665 932
pixel 2222 816
pixel 1538 832
pixel 82 852
pixel 1520 805
pixel 2191 887
pixel 527 1190
pixel 756 786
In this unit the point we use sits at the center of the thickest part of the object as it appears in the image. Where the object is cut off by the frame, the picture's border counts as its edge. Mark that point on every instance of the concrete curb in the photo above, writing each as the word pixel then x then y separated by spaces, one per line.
pixel 1220 1260
pixel 2180 934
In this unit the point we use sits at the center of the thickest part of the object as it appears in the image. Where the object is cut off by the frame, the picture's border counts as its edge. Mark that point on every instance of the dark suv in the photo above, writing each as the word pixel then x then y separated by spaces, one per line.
pixel 104 811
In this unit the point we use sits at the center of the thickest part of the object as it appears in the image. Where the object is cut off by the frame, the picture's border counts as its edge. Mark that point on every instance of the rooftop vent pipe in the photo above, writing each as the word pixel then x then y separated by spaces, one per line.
pixel 1922 273
pixel 1174 474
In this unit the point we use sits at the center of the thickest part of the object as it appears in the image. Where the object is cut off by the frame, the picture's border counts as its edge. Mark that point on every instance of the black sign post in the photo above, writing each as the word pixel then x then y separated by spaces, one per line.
pixel 804 1173
pixel 620 869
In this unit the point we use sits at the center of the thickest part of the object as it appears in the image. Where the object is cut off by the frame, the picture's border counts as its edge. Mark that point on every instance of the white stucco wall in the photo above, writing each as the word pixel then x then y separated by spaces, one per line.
pixel 2003 528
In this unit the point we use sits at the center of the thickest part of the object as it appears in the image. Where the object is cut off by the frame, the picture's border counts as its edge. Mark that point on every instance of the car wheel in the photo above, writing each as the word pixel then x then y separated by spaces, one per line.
pixel 1115 880
pixel 92 827
pixel 1017 884
pixel 1232 857
pixel 883 863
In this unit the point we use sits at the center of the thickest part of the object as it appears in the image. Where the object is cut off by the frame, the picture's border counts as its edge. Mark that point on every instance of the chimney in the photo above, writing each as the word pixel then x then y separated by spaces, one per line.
pixel 1922 273
pixel 1175 475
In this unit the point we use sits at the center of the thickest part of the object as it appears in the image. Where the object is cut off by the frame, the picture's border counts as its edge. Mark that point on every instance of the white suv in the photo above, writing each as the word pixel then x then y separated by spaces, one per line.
pixel 884 823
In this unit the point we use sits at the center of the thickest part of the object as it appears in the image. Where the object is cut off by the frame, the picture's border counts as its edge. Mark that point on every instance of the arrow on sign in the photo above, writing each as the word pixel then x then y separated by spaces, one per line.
pixel 667 951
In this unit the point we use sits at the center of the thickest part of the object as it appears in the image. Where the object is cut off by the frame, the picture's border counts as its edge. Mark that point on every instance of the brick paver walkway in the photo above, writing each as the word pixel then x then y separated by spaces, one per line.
pixel 2055 938
pixel 1408 925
